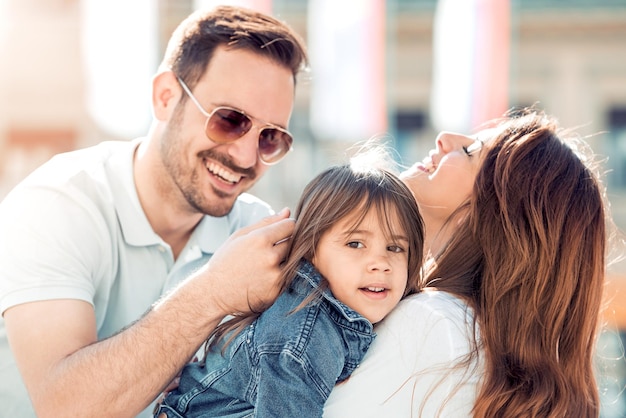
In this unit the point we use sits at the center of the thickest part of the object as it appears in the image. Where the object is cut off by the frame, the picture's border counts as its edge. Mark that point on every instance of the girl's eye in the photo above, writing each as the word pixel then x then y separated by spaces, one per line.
pixel 395 249
pixel 355 244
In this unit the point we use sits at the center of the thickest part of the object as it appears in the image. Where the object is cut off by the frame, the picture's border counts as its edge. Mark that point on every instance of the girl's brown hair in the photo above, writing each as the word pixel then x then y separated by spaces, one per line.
pixel 529 257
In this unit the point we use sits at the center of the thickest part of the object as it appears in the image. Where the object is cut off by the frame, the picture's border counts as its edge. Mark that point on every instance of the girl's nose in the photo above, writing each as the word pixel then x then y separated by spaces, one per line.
pixel 379 263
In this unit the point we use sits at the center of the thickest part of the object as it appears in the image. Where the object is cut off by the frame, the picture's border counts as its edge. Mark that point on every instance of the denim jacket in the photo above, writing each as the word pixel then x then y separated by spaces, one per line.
pixel 282 365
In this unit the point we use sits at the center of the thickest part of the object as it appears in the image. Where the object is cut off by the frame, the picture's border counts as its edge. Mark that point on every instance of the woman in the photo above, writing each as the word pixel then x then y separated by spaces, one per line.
pixel 506 321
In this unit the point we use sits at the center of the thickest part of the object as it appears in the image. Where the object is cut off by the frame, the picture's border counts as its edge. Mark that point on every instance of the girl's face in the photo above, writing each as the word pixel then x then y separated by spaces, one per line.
pixel 442 181
pixel 365 267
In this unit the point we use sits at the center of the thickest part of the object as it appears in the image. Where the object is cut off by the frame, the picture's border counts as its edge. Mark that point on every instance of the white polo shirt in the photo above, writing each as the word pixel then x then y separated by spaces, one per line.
pixel 74 229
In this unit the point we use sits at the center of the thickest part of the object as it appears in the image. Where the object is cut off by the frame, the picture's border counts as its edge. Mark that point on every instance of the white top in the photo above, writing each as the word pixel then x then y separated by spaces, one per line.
pixel 74 229
pixel 410 365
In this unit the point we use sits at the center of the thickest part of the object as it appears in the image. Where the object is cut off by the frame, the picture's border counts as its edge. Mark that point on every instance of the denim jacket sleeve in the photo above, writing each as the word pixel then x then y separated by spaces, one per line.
pixel 299 354
pixel 296 372
pixel 287 388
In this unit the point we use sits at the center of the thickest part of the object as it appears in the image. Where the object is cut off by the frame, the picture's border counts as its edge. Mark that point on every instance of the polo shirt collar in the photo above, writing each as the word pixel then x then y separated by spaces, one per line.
pixel 133 222
pixel 210 233
pixel 137 231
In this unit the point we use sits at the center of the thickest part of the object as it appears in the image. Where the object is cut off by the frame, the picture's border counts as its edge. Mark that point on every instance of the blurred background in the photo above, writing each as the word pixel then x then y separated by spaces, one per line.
pixel 74 73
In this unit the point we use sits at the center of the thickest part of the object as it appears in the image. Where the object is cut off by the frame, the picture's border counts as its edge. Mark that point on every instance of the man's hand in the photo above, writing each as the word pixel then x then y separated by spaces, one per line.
pixel 245 274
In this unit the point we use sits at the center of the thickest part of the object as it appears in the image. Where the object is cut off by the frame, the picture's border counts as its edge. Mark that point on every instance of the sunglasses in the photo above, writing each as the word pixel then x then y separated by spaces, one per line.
pixel 225 124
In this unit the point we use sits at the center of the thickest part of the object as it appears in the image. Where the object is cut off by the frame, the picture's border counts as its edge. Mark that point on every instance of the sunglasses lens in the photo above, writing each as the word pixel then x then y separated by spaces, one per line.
pixel 227 125
pixel 274 144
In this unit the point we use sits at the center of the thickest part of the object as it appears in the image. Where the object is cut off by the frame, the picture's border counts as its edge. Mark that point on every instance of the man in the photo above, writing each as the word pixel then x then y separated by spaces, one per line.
pixel 94 238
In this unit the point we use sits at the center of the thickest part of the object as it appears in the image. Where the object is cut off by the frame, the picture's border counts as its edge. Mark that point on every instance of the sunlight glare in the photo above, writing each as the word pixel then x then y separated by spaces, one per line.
pixel 119 50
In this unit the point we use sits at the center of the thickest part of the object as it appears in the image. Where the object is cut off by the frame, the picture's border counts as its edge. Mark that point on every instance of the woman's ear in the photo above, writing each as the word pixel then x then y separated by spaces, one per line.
pixel 166 92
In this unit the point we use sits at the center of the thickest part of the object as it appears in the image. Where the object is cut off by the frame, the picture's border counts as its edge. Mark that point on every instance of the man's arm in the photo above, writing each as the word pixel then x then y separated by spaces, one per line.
pixel 69 373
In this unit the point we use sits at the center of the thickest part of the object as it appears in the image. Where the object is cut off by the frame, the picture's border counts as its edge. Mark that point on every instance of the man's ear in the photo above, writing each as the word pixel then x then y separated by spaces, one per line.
pixel 166 92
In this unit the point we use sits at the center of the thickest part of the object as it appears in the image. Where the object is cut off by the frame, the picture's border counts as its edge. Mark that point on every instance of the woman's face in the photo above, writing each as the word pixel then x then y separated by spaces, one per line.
pixel 442 181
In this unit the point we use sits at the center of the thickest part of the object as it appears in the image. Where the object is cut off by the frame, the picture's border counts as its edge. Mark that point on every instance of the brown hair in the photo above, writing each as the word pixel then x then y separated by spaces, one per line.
pixel 529 257
pixel 192 44
pixel 338 192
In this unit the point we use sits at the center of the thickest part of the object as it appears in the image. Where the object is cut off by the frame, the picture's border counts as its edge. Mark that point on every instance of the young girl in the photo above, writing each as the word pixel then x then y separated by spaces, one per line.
pixel 356 251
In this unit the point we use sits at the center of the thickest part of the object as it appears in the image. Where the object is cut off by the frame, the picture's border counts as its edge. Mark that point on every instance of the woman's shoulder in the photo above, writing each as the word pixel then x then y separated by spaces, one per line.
pixel 433 305
pixel 433 298
pixel 430 317
pixel 412 361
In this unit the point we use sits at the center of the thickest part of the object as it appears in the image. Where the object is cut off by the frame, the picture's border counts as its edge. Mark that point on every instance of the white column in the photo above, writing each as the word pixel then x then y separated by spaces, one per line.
pixel 471 63
pixel 264 6
pixel 119 49
pixel 347 52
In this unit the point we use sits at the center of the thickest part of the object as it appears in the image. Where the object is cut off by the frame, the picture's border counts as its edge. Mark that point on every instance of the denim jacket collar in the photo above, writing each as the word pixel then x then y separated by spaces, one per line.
pixel 340 312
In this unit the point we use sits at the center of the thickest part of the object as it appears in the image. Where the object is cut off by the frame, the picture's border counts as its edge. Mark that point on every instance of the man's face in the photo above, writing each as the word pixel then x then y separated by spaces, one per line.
pixel 211 175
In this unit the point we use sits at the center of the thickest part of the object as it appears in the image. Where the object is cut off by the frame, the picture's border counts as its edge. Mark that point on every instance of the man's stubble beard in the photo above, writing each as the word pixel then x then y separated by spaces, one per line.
pixel 185 180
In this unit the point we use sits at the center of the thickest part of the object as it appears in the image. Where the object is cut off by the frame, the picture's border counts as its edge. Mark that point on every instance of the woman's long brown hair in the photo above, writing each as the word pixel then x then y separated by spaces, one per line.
pixel 529 257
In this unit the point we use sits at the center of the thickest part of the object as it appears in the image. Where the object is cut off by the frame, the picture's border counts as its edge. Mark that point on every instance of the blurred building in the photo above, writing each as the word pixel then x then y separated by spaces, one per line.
pixel 566 56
